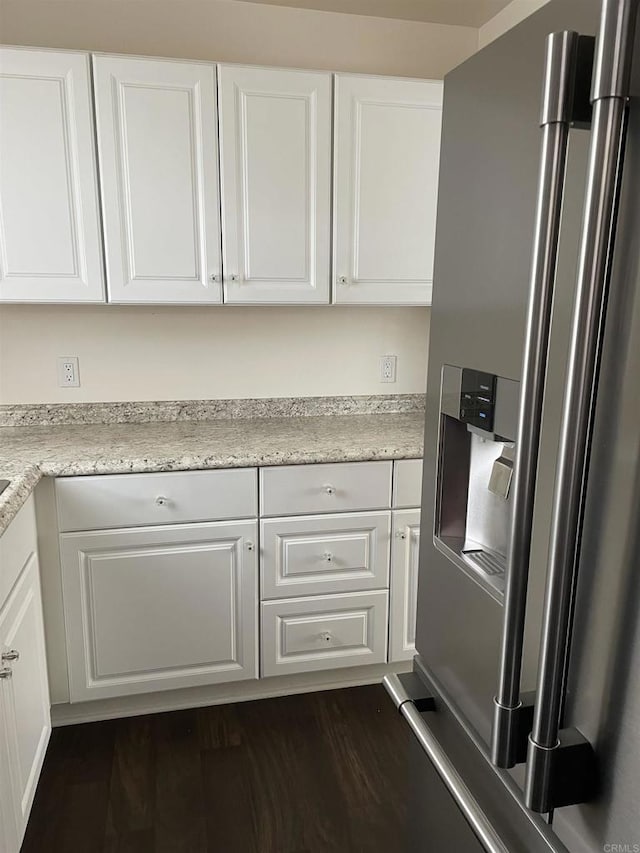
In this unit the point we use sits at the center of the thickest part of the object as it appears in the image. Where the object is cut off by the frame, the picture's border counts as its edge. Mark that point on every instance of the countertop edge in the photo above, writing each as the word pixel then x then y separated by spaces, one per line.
pixel 23 483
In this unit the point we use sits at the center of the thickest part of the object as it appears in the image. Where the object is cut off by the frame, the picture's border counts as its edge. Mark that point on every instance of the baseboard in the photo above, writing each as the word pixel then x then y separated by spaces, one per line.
pixel 68 714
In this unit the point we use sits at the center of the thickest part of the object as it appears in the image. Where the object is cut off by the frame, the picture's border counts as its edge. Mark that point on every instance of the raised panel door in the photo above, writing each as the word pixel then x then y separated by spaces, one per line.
pixel 405 547
pixel 50 240
pixel 275 132
pixel 386 163
pixel 24 694
pixel 150 609
pixel 158 147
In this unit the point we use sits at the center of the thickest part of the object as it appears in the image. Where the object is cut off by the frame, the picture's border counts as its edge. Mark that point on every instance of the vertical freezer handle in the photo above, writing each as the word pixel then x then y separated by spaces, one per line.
pixel 560 765
pixel 557 103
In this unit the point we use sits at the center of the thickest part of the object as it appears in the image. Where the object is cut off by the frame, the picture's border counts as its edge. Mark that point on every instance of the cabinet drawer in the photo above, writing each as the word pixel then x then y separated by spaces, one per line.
pixel 134 500
pixel 324 632
pixel 17 544
pixel 407 483
pixel 340 487
pixel 313 555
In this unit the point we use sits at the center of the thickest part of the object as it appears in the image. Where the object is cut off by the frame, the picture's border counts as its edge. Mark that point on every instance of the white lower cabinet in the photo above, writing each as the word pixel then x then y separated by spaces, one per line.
pixel 150 609
pixel 405 550
pixel 164 588
pixel 324 632
pixel 25 723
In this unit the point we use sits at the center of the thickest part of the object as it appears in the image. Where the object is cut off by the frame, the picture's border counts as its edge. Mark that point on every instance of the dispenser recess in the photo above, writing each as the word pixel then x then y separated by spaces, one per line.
pixel 478 425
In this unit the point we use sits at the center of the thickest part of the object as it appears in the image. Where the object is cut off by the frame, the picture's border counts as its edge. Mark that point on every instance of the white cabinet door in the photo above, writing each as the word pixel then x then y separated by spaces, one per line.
pixel 275 138
pixel 24 690
pixel 405 549
pixel 386 162
pixel 157 141
pixel 150 609
pixel 8 829
pixel 50 241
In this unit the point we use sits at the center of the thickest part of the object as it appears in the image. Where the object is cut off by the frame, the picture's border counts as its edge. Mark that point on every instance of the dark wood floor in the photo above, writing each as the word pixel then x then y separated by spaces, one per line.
pixel 317 773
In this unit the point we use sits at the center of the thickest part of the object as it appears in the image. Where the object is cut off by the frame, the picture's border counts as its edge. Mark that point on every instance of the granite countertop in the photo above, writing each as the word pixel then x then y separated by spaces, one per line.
pixel 29 452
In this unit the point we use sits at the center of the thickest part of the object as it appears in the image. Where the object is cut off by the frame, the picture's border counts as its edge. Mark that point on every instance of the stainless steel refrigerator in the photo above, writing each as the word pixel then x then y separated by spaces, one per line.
pixel 524 700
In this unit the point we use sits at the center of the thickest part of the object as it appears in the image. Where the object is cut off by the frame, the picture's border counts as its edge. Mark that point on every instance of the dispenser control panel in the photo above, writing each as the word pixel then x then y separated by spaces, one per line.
pixel 478 398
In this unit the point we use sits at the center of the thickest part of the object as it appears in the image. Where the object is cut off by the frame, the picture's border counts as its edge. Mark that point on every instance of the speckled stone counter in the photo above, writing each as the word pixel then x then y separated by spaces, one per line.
pixel 29 452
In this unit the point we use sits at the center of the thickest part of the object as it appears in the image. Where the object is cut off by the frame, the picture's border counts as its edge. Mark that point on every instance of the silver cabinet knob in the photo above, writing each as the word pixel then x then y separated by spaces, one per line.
pixel 251 546
pixel 327 557
pixel 343 280
pixel 5 672
pixel 12 654
pixel 235 278
pixel 214 276
pixel 330 490
pixel 325 637
pixel 401 534
pixel 162 501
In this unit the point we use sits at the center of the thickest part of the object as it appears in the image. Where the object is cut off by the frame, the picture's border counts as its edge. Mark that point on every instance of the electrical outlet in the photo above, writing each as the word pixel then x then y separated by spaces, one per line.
pixel 388 366
pixel 68 372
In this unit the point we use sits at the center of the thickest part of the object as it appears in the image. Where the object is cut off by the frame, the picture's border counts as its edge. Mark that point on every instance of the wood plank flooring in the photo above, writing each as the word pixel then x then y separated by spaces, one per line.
pixel 315 773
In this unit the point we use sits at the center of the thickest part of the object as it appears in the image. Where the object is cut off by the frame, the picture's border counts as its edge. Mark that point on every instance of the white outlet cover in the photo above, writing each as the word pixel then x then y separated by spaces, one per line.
pixel 68 371
pixel 388 368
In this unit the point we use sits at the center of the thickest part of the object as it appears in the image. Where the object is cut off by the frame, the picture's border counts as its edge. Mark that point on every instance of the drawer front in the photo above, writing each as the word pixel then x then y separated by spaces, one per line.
pixel 324 632
pixel 340 487
pixel 18 542
pixel 407 483
pixel 135 500
pixel 314 555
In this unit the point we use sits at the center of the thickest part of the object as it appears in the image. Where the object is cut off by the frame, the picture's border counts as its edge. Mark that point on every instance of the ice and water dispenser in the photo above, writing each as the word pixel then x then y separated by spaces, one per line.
pixel 478 422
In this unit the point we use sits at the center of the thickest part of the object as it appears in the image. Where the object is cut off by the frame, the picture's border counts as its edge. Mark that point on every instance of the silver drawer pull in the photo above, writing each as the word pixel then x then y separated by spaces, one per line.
pixel 12 654
pixel 326 637
pixel 327 557
pixel 251 546
pixel 330 490
pixel 162 501
pixel 6 672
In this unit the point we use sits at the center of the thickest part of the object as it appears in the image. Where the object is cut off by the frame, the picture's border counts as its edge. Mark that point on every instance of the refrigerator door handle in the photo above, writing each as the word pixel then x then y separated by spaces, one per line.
pixel 560 763
pixel 512 716
pixel 453 781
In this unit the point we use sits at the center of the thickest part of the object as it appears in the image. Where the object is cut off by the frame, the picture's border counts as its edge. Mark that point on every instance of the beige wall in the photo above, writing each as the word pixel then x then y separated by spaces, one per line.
pixel 137 353
pixel 510 16
pixel 231 31
pixel 182 353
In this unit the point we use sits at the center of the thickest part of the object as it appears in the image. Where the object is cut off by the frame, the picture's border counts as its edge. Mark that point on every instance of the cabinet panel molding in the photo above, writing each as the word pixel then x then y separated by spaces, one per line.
pixel 50 238
pixel 158 147
pixel 275 138
pixel 150 609
pixel 386 162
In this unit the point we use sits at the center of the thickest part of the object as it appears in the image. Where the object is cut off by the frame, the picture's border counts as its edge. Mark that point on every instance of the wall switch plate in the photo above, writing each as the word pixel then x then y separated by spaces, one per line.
pixel 68 372
pixel 388 367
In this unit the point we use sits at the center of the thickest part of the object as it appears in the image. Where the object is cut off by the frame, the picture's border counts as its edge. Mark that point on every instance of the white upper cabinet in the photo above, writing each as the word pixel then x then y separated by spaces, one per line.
pixel 157 141
pixel 386 162
pixel 50 242
pixel 275 139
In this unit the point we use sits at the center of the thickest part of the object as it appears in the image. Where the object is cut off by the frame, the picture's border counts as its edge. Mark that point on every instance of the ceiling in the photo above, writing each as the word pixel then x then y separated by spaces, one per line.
pixel 470 13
